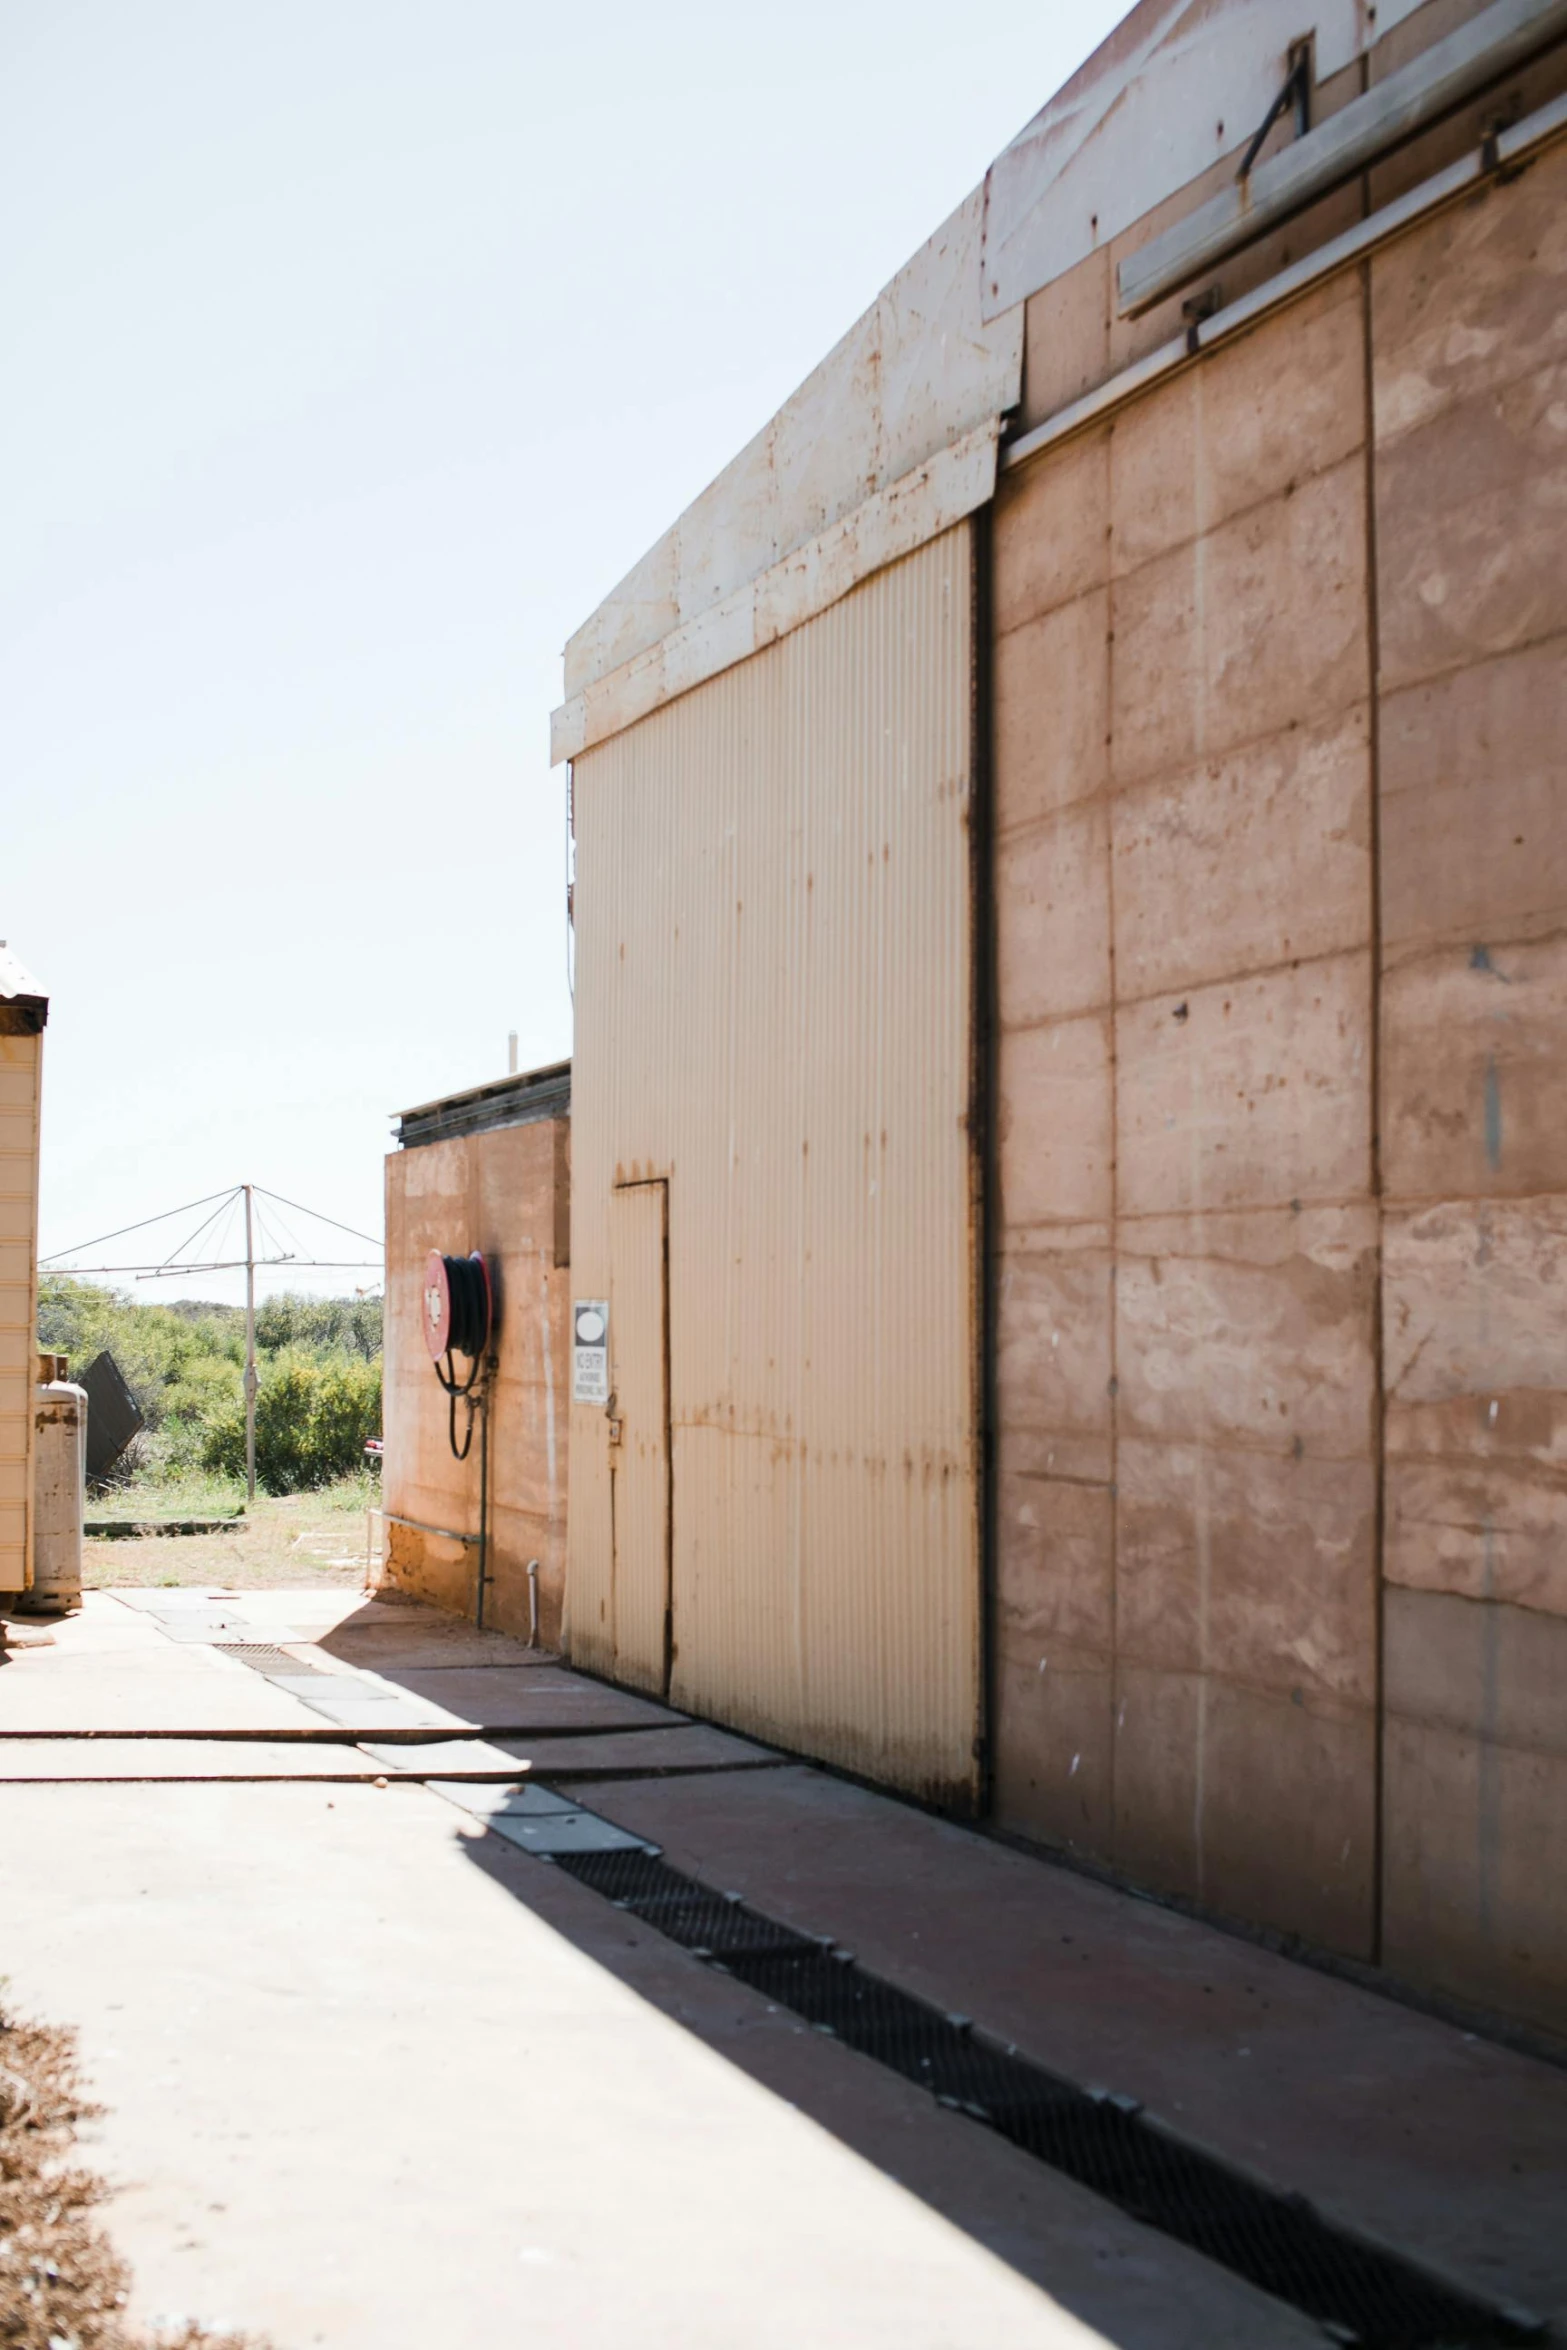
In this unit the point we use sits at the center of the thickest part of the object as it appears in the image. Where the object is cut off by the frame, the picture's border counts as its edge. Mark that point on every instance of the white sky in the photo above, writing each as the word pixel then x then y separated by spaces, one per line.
pixel 352 350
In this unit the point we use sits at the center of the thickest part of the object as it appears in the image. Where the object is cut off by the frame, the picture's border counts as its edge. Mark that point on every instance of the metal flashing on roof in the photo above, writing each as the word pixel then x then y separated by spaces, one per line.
pixel 909 382
pixel 1441 78
pixel 527 1100
pixel 848 475
pixel 24 1007
pixel 1171 91
pixel 897 521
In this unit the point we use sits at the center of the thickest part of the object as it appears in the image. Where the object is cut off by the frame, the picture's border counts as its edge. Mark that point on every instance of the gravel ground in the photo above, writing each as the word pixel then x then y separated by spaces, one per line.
pixel 62 2284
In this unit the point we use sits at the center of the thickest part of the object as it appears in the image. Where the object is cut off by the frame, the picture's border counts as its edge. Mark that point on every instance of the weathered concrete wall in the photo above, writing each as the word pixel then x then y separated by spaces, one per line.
pixel 506 1192
pixel 1468 334
pixel 1241 905
pixel 1187 1503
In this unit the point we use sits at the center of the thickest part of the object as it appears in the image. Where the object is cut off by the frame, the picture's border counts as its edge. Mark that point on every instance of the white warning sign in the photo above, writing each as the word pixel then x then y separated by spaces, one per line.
pixel 590 1350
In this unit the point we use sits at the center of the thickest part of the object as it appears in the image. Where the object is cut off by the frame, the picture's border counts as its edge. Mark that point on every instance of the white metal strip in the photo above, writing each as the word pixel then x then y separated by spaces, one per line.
pixel 1430 85
pixel 1510 146
pixel 913 510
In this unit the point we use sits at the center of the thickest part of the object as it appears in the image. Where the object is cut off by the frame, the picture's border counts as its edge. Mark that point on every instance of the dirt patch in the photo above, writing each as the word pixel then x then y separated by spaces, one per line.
pixel 62 2284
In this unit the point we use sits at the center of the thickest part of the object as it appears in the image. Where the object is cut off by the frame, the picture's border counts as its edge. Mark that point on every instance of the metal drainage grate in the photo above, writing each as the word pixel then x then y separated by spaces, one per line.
pixel 1358 2292
pixel 263 1656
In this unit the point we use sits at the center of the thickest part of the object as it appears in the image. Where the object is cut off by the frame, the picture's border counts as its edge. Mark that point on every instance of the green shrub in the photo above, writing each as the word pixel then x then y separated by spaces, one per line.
pixel 319 1361
pixel 313 1418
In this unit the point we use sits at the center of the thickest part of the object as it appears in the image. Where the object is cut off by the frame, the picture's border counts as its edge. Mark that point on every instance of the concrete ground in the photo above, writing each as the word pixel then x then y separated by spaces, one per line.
pixel 376 2078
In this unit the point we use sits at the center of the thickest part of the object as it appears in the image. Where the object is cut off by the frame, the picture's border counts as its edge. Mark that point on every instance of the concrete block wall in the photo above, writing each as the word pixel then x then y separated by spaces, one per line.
pixel 1468 331
pixel 1283 1027
pixel 506 1192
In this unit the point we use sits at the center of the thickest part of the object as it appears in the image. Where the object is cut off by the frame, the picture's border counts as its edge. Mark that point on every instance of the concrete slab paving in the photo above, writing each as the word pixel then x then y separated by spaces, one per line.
pixel 360 2095
pixel 1134 2286
pixel 501 2073
pixel 525 1698
pixel 172 1688
pixel 611 1754
pixel 25 1761
pixel 424 1637
pixel 469 1758
pixel 1445 2145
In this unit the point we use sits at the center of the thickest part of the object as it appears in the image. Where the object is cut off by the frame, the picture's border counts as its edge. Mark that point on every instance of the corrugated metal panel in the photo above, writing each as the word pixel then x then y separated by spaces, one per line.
pixel 773 1012
pixel 21 1059
pixel 639 1351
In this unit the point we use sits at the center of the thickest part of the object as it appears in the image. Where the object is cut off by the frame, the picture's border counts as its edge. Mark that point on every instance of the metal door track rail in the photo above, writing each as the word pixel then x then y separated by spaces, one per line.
pixel 1358 2290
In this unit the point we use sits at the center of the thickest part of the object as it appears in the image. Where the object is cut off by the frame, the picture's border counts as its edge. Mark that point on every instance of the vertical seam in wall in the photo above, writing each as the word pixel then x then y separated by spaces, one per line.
pixel 1379 1398
pixel 1113 1273
pixel 669 1454
pixel 984 1157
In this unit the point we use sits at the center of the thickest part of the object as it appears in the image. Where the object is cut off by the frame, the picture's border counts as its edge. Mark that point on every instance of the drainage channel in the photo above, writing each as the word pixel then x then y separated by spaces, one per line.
pixel 1357 2291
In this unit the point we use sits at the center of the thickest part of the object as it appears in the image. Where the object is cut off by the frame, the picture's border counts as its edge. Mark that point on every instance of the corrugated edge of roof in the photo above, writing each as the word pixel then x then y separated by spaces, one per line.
pixel 524 1100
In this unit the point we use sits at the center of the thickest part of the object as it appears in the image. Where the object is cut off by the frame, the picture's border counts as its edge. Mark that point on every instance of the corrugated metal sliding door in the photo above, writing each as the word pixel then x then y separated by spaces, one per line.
pixel 639 1432
pixel 774 1018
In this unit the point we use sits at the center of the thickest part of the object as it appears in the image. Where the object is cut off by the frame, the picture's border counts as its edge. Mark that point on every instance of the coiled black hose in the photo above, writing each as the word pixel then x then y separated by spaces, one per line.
pixel 468 1333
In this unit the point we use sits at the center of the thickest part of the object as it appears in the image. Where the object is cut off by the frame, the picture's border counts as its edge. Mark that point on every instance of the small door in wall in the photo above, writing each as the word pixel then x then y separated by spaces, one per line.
pixel 639 1433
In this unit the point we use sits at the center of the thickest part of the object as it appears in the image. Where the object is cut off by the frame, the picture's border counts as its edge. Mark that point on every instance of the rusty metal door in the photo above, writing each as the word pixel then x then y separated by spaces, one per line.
pixel 639 1432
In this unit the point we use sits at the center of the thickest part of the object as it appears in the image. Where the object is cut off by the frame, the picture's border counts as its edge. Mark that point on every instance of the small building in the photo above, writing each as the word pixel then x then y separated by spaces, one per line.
pixel 24 1011
pixel 1071 891
pixel 489 1169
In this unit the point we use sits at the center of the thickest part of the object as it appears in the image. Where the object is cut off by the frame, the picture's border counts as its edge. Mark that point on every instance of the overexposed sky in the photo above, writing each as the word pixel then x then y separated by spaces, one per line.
pixel 351 351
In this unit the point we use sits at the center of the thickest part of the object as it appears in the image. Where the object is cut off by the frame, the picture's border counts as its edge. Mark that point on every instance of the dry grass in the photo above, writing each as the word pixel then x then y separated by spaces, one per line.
pixel 292 1538
pixel 62 2284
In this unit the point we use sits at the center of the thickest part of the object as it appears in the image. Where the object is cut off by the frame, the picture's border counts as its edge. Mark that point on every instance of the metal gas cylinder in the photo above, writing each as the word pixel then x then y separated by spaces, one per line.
pixel 59 1496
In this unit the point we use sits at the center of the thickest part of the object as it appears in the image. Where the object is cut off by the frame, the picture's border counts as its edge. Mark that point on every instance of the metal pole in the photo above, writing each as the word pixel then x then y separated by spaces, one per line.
pixel 484 1498
pixel 250 1352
